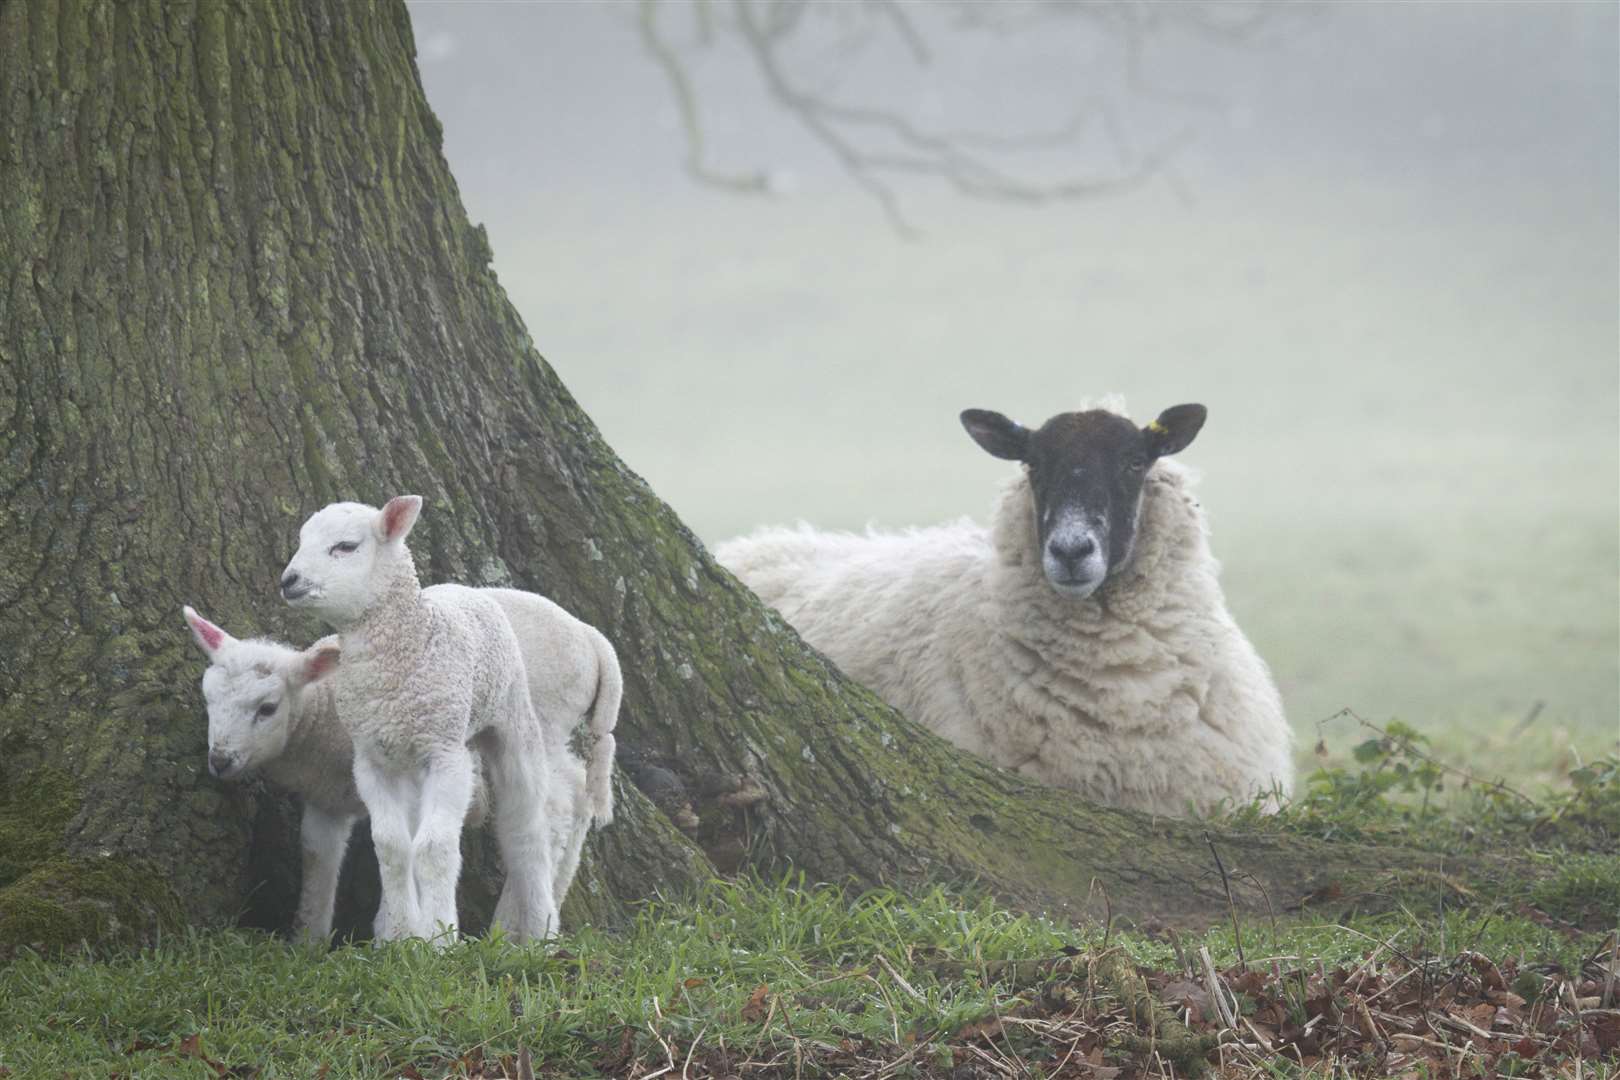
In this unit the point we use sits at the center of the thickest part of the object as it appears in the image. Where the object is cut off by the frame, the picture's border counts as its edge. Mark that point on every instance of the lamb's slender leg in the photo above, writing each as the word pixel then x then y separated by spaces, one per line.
pixel 382 923
pixel 571 844
pixel 324 838
pixel 568 813
pixel 527 907
pixel 400 914
pixel 447 791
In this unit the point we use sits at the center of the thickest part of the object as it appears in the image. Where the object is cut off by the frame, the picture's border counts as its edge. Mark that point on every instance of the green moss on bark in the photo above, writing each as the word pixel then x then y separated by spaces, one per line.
pixel 68 903
pixel 35 809
pixel 50 900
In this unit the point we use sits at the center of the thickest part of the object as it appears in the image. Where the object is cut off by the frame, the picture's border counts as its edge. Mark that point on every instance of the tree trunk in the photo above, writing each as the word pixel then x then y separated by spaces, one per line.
pixel 239 284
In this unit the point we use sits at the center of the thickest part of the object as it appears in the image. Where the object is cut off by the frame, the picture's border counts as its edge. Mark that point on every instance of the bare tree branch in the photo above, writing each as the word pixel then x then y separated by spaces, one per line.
pixel 755 183
pixel 873 143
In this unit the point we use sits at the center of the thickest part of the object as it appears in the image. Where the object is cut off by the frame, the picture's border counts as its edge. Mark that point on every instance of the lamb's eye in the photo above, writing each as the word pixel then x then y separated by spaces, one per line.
pixel 267 710
pixel 1137 464
pixel 343 548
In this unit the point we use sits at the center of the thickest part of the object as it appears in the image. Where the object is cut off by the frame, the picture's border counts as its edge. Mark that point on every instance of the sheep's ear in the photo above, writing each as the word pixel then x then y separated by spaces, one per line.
pixel 210 638
pixel 1000 436
pixel 1175 428
pixel 395 519
pixel 317 662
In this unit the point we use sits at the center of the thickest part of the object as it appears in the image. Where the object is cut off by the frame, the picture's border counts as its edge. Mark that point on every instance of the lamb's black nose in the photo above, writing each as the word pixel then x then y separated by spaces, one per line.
pixel 1071 549
pixel 288 580
pixel 220 764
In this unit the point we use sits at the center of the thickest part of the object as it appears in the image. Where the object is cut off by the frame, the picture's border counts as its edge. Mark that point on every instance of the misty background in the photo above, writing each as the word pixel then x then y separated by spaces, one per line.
pixel 1381 247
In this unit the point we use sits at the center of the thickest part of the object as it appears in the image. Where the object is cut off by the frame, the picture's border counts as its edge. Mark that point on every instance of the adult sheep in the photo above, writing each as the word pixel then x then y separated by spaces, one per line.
pixel 1081 639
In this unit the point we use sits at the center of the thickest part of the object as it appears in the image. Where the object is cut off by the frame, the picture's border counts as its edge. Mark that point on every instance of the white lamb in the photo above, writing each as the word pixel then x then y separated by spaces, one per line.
pixel 426 672
pixel 266 712
pixel 1082 639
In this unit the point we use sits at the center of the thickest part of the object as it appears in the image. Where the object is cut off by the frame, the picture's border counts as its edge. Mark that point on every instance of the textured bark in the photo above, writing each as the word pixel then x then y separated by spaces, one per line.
pixel 238 283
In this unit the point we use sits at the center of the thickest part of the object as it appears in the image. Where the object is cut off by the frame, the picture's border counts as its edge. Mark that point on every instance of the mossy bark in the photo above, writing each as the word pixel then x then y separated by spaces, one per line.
pixel 238 283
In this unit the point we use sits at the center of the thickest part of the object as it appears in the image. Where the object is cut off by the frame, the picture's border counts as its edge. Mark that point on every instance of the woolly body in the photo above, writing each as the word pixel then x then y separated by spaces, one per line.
pixel 573 674
pixel 1143 695
pixel 425 674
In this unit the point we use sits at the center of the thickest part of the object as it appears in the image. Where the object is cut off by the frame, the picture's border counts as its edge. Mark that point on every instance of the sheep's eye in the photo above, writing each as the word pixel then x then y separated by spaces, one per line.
pixel 267 710
pixel 343 548
pixel 1137 464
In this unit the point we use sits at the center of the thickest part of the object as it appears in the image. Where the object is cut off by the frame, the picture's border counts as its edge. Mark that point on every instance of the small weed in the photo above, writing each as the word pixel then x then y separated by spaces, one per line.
pixel 1401 792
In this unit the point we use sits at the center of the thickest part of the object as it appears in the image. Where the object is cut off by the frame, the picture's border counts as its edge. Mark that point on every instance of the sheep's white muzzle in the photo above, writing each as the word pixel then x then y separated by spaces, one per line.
pixel 1073 558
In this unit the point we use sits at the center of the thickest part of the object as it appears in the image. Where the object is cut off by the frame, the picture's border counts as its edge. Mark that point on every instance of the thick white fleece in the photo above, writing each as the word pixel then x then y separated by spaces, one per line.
pixel 426 672
pixel 1144 695
pixel 573 676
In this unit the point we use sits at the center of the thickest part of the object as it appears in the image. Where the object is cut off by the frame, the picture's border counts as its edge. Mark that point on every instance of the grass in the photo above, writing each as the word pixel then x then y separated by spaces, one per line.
pixel 763 971
pixel 795 978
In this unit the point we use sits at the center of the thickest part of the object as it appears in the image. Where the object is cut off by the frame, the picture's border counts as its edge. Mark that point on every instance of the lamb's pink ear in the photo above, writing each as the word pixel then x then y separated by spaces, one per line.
pixel 210 637
pixel 397 516
pixel 317 662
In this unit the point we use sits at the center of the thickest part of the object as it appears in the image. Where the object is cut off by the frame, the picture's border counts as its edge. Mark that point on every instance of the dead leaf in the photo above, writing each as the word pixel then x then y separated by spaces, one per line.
pixel 693 983
pixel 1606 1031
pixel 1188 995
pixel 1489 973
pixel 1331 891
pixel 613 1065
pixel 1247 982
pixel 756 1008
pixel 986 1029
pixel 525 1065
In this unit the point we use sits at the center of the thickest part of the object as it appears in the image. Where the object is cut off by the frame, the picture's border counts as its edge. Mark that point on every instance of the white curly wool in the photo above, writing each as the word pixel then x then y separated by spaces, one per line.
pixel 1143 695
pixel 299 745
pixel 425 673
pixel 573 674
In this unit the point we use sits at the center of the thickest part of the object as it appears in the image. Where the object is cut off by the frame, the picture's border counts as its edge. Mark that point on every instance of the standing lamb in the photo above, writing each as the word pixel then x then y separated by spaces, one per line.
pixel 426 672
pixel 1082 639
pixel 266 711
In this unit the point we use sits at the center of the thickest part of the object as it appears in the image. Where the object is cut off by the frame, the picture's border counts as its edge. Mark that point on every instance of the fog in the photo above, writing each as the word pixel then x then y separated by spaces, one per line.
pixel 1381 246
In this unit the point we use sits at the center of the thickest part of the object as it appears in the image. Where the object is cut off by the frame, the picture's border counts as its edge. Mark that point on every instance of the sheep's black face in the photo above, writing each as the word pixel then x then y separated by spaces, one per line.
pixel 1086 471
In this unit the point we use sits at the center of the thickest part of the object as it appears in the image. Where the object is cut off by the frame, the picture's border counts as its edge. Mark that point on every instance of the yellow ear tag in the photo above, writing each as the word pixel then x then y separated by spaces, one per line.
pixel 1157 428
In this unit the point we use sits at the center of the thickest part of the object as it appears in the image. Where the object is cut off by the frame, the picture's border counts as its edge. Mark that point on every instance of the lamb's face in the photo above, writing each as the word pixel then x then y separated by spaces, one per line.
pixel 252 688
pixel 249 702
pixel 1086 471
pixel 335 571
